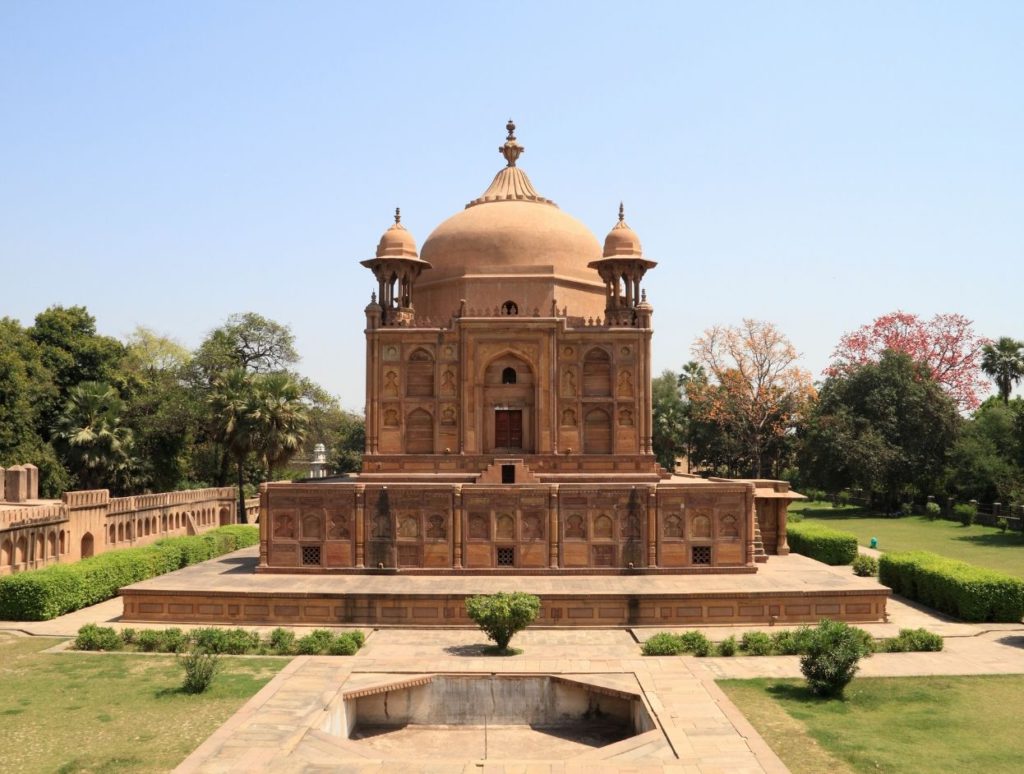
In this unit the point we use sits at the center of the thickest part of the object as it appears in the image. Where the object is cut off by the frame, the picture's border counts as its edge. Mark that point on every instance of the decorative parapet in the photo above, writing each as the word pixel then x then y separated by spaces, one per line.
pixel 23 517
pixel 90 498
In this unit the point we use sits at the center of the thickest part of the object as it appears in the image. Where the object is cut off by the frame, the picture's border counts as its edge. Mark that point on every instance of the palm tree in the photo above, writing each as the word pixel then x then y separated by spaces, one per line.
pixel 90 434
pixel 235 418
pixel 280 419
pixel 1004 364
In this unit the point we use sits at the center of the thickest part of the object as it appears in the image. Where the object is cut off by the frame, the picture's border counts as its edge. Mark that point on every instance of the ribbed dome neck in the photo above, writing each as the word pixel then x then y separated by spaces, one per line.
pixel 511 184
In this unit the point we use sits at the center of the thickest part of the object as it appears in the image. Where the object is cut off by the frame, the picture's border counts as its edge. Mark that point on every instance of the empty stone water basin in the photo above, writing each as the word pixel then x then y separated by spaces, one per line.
pixel 479 717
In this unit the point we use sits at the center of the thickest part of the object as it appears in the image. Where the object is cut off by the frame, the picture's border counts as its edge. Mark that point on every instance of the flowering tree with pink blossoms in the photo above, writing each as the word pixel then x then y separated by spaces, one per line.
pixel 946 344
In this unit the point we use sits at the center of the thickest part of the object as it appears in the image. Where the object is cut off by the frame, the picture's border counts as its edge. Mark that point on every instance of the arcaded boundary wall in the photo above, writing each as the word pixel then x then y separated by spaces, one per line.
pixel 83 524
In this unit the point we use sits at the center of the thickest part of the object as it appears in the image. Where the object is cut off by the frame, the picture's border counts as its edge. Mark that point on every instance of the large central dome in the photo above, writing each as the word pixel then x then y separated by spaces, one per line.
pixel 513 234
pixel 512 230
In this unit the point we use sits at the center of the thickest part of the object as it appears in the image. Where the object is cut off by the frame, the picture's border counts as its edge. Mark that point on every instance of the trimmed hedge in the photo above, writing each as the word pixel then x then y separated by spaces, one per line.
pixel 39 595
pixel 958 588
pixel 825 544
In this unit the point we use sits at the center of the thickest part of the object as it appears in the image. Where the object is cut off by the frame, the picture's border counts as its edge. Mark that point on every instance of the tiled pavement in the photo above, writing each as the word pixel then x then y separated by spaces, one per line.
pixel 704 732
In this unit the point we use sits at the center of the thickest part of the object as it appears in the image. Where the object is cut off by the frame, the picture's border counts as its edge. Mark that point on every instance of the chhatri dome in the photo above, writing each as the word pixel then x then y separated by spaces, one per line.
pixel 397 242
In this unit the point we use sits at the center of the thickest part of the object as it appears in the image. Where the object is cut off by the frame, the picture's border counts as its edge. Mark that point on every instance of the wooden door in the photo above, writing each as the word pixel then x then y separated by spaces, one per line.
pixel 508 429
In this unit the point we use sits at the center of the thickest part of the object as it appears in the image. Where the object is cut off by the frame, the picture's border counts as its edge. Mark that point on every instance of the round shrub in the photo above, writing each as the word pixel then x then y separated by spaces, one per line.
pixel 696 643
pixel 200 668
pixel 149 640
pixel 174 640
pixel 282 641
pixel 93 637
pixel 913 641
pixel 727 647
pixel 501 615
pixel 128 635
pixel 343 645
pixel 965 513
pixel 237 642
pixel 832 657
pixel 662 644
pixel 865 566
pixel 792 642
pixel 756 644
pixel 315 643
pixel 932 510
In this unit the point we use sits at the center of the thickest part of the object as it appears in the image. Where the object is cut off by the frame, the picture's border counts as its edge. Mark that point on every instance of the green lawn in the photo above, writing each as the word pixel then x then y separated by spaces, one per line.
pixel 902 725
pixel 77 712
pixel 983 546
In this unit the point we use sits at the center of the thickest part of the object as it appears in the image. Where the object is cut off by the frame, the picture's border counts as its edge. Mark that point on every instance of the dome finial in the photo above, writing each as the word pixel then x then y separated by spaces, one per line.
pixel 622 213
pixel 398 215
pixel 511 150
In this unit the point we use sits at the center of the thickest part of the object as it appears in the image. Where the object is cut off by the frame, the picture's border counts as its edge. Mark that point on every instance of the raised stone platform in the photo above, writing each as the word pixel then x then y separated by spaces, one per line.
pixel 788 589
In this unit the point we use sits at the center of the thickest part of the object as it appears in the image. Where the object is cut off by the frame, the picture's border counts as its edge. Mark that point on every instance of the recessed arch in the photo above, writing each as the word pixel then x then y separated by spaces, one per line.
pixel 597 432
pixel 597 373
pixel 419 378
pixel 419 432
pixel 87 545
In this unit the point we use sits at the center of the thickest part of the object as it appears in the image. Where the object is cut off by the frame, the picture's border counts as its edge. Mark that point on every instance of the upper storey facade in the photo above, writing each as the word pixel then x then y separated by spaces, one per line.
pixel 512 333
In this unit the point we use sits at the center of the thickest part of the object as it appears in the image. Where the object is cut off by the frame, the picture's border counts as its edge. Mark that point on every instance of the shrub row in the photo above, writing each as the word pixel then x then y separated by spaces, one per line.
pixel 789 642
pixel 819 542
pixel 38 595
pixel 235 642
pixel 960 589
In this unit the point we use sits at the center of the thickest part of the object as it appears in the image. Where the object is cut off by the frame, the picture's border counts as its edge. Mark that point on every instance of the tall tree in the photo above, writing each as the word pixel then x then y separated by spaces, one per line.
pixel 233 422
pixel 946 345
pixel 755 390
pixel 348 442
pixel 74 353
pixel 669 420
pixel 1004 364
pixel 163 410
pixel 90 434
pixel 885 427
pixel 249 341
pixel 279 419
pixel 985 461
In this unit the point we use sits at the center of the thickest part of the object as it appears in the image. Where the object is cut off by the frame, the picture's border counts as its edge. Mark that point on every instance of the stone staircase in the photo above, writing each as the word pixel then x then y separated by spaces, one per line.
pixel 760 555
pixel 492 474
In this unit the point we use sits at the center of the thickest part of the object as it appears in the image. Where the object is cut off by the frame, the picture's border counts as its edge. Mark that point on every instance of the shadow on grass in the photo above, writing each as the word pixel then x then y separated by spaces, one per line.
pixel 827 513
pixel 481 650
pixel 800 694
pixel 993 539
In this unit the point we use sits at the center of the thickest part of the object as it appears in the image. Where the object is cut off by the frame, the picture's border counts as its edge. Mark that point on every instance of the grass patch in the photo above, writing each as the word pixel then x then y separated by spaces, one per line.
pixel 910 725
pixel 979 545
pixel 111 712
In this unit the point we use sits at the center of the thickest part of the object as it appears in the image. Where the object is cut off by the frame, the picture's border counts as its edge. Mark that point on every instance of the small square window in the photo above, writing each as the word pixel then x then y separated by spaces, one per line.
pixel 311 555
pixel 506 557
pixel 702 554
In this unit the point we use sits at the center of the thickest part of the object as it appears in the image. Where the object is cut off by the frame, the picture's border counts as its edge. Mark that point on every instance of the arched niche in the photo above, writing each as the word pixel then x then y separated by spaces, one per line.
pixel 597 432
pixel 419 432
pixel 419 378
pixel 597 373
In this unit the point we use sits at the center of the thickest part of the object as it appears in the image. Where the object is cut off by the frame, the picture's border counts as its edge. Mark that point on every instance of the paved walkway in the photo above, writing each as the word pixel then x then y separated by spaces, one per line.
pixel 701 731
pixel 282 729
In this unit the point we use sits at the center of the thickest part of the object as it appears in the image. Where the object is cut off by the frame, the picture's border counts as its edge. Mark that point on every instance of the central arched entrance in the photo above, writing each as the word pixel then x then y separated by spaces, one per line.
pixel 509 416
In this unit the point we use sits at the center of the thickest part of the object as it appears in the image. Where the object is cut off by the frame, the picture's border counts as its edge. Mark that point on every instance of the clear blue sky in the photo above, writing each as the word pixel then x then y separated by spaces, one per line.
pixel 813 164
